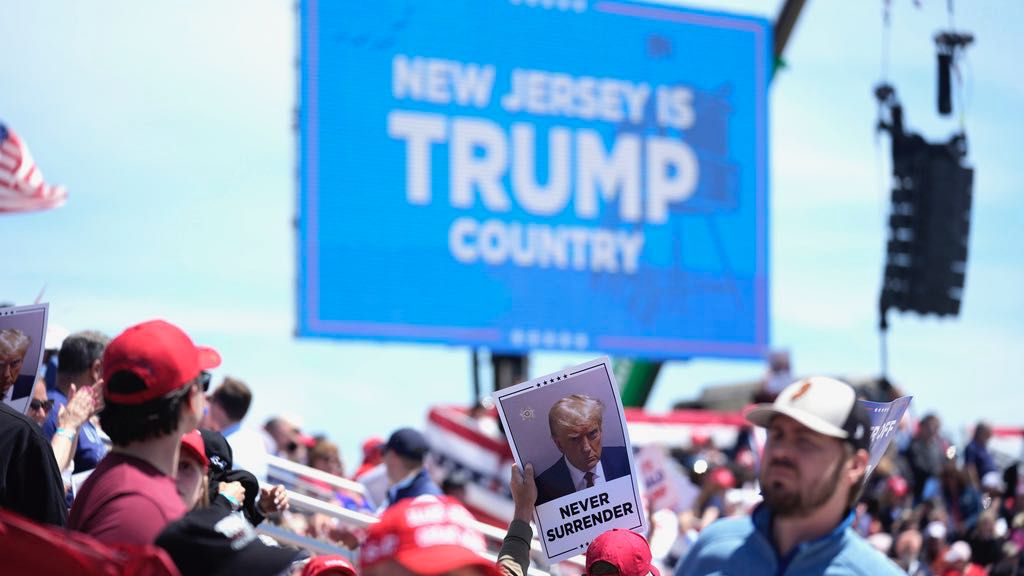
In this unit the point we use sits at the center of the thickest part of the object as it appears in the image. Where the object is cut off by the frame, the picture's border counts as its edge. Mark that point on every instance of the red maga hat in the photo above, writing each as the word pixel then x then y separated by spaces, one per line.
pixel 624 549
pixel 330 565
pixel 160 354
pixel 192 443
pixel 427 535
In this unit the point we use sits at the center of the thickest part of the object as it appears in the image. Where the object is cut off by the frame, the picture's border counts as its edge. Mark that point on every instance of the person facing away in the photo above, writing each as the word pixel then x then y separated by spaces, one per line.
pixel 576 429
pixel 154 395
pixel 815 462
pixel 427 535
pixel 228 405
pixel 620 552
pixel 404 455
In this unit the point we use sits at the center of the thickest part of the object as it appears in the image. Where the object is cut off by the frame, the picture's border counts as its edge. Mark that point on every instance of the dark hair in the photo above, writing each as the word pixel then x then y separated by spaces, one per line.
pixel 234 397
pixel 127 423
pixel 600 567
pixel 80 351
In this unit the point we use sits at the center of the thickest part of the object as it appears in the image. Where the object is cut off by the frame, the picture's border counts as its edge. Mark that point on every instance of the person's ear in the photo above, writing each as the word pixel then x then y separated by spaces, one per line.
pixel 858 466
pixel 96 370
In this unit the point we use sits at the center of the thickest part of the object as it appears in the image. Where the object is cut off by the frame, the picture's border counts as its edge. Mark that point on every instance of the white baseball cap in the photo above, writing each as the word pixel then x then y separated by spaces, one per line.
pixel 825 405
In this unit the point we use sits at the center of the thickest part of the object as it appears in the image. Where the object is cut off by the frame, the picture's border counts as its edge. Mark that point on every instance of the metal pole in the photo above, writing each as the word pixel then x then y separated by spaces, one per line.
pixel 785 23
pixel 476 376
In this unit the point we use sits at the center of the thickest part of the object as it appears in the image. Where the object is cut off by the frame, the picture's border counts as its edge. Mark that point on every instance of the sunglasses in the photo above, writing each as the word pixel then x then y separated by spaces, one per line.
pixel 204 380
pixel 44 405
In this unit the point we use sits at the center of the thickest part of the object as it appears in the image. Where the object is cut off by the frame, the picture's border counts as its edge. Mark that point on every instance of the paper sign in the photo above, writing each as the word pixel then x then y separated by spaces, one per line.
pixel 22 334
pixel 570 426
pixel 885 421
pixel 664 486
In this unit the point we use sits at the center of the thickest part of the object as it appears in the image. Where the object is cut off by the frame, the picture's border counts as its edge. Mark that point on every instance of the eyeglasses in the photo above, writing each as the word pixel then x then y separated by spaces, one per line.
pixel 204 380
pixel 44 405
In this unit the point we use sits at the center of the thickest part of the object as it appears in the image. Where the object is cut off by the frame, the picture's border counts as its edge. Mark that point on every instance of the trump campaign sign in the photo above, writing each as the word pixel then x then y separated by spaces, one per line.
pixel 534 174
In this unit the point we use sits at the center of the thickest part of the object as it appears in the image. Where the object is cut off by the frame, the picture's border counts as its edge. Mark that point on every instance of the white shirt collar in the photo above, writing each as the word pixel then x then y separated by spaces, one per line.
pixel 577 475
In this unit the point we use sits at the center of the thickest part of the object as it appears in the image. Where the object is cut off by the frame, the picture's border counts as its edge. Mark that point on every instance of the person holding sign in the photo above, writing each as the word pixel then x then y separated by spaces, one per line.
pixel 815 462
pixel 575 422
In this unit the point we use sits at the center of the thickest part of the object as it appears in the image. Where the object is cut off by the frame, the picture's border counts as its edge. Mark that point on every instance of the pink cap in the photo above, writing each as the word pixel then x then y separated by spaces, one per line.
pixel 624 549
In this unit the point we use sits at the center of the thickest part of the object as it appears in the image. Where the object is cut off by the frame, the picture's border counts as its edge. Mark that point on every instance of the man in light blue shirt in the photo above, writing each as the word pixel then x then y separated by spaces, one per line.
pixel 815 462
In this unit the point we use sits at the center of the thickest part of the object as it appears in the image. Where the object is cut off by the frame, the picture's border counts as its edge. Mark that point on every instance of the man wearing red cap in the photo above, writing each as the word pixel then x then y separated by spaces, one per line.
pixel 621 552
pixel 154 394
pixel 432 535
pixel 426 535
pixel 329 565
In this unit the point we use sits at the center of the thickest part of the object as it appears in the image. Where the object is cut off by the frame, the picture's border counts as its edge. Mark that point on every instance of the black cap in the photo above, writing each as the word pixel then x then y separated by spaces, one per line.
pixel 407 443
pixel 213 541
pixel 218 451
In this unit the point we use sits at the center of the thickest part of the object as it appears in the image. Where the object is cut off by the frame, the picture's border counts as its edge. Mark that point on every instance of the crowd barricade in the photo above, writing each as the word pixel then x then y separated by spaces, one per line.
pixel 297 476
pixel 282 471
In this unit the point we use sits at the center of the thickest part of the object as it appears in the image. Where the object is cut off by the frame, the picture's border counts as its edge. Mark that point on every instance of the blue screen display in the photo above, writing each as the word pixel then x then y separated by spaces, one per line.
pixel 546 174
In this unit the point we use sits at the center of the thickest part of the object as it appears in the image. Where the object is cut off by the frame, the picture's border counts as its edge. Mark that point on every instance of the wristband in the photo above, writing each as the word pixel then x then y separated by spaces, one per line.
pixel 66 432
pixel 235 504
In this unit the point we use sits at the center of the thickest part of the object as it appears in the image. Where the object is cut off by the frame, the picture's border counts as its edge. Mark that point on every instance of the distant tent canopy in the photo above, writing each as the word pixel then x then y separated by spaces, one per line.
pixel 22 188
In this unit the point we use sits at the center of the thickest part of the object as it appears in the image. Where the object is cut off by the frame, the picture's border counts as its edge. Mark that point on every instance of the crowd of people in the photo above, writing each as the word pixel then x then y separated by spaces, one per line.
pixel 126 452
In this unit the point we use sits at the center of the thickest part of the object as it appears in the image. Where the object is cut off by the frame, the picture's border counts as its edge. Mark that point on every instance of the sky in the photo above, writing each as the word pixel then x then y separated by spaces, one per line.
pixel 171 123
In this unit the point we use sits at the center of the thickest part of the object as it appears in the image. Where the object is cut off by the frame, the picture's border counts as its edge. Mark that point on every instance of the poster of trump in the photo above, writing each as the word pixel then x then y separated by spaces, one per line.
pixel 570 426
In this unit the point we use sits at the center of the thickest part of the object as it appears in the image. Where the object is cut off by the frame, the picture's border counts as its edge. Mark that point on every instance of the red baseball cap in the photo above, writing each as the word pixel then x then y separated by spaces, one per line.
pixel 723 477
pixel 427 535
pixel 898 486
pixel 371 447
pixel 159 353
pixel 329 565
pixel 624 549
pixel 193 443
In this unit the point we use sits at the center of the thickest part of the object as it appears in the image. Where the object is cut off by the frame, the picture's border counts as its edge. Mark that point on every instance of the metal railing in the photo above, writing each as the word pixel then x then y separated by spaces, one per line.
pixel 298 475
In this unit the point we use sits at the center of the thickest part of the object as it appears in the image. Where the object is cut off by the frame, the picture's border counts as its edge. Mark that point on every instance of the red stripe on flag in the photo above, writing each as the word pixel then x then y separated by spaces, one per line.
pixel 444 421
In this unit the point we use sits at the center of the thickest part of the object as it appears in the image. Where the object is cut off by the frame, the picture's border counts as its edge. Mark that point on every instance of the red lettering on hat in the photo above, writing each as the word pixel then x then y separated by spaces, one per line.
pixel 803 390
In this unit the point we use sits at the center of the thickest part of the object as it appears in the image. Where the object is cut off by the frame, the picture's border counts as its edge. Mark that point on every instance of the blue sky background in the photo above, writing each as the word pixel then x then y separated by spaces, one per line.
pixel 171 125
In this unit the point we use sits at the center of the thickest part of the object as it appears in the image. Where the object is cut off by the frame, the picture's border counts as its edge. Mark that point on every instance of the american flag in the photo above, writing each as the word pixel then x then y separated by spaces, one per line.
pixel 22 188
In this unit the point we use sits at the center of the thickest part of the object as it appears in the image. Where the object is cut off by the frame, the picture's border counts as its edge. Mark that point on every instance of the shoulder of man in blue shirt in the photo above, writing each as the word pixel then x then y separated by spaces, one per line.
pixel 733 546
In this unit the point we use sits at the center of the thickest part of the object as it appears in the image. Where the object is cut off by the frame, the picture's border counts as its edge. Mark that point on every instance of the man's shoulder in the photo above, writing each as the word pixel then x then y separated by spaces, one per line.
pixel 729 546
pixel 554 469
pixel 421 485
pixel 735 528
pixel 124 482
pixel 859 557
pixel 14 420
pixel 14 424
pixel 424 484
pixel 617 451
pixel 119 474
pixel 615 461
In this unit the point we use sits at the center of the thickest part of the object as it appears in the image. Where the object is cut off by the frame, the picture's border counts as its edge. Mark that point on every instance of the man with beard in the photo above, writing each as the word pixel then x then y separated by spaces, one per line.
pixel 815 462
